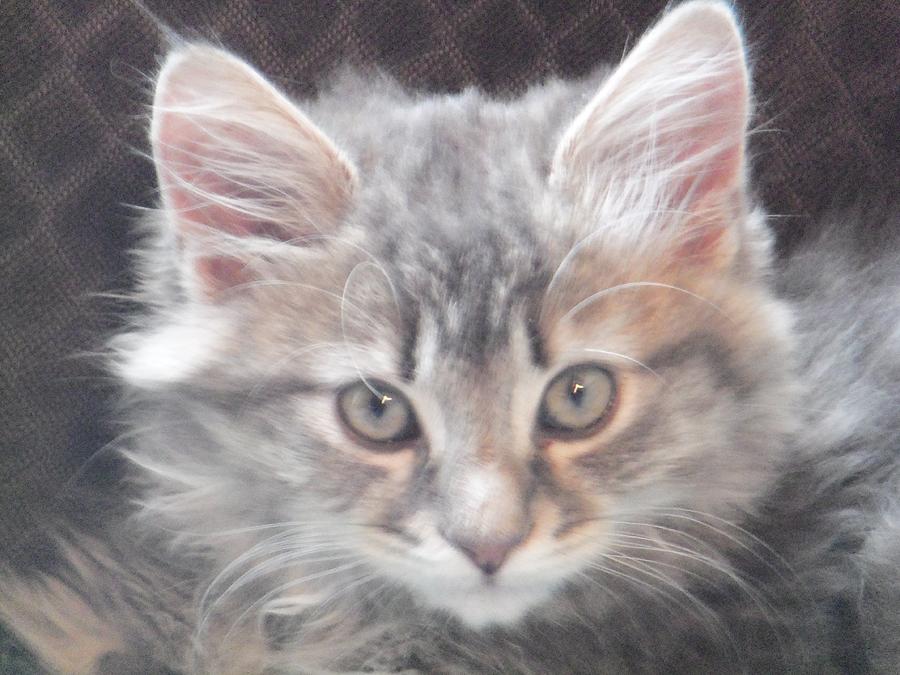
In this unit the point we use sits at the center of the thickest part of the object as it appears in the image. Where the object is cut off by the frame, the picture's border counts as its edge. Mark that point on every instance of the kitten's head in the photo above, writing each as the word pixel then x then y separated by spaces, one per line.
pixel 470 347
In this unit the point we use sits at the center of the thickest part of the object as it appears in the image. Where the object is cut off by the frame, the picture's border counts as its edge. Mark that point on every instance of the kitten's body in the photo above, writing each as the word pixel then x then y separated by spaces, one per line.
pixel 743 485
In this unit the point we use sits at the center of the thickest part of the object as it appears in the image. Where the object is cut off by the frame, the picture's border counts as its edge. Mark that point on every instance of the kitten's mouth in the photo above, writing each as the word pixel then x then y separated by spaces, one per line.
pixel 488 601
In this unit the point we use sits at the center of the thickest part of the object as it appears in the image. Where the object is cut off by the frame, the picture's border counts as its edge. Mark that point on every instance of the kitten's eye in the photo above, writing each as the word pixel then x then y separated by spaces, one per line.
pixel 577 399
pixel 380 414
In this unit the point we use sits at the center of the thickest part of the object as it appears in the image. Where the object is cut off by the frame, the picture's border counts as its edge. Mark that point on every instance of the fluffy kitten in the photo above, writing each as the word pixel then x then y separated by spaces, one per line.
pixel 454 384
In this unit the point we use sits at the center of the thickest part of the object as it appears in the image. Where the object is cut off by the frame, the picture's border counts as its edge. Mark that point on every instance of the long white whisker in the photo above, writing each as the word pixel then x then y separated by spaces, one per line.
pixel 679 513
pixel 640 582
pixel 638 284
pixel 626 358
pixel 274 563
pixel 264 547
pixel 760 601
pixel 706 613
pixel 373 260
pixel 344 330
pixel 627 561
pixel 282 362
pixel 620 602
pixel 586 240
pixel 290 584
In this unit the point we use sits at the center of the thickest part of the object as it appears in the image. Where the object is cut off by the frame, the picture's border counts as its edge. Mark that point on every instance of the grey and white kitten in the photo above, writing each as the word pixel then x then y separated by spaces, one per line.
pixel 454 384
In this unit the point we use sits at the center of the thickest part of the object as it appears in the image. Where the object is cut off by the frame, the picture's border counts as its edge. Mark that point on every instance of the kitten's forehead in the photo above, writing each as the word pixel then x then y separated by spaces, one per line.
pixel 469 295
pixel 453 213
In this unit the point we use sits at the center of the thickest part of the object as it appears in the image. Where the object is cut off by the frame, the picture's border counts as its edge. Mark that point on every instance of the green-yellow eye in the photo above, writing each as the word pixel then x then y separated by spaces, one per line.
pixel 577 399
pixel 377 413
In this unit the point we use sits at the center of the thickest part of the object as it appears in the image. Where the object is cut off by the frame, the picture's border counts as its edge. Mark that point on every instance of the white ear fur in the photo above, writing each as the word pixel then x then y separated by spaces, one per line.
pixel 235 157
pixel 665 133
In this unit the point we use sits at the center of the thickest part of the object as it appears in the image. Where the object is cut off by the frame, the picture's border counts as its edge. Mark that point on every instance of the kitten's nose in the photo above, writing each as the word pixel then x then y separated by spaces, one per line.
pixel 488 555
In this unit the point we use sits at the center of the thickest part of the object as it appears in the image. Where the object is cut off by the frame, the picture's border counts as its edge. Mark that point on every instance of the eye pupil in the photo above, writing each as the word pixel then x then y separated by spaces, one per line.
pixel 576 393
pixel 378 403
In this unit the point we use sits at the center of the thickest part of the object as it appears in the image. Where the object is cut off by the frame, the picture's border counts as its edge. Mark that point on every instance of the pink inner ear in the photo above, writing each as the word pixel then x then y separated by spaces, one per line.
pixel 715 147
pixel 235 157
pixel 204 197
pixel 707 237
pixel 219 273
pixel 203 186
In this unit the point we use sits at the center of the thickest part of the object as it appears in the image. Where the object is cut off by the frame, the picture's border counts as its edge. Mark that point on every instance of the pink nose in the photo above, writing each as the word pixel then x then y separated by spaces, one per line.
pixel 489 555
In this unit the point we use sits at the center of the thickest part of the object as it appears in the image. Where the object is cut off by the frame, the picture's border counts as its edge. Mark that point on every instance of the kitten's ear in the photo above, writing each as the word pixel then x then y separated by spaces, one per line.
pixel 234 156
pixel 665 134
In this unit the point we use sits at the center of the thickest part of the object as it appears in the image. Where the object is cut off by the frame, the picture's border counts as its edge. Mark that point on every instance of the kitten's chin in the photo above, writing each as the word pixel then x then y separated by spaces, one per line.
pixel 484 604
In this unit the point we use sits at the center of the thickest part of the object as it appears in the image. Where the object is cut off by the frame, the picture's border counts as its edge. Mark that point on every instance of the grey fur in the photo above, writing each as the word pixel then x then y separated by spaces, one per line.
pixel 771 414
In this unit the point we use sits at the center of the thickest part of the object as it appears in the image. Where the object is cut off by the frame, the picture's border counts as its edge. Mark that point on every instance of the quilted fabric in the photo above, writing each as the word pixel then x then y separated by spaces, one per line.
pixel 74 89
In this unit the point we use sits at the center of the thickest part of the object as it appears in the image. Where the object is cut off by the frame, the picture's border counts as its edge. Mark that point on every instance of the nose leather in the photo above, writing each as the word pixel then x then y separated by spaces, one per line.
pixel 487 555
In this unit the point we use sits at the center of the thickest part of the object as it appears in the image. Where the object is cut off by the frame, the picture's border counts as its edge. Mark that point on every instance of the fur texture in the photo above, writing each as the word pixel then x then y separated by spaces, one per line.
pixel 733 509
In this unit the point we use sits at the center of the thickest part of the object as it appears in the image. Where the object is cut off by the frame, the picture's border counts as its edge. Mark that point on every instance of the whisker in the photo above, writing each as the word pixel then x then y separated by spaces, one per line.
pixel 373 259
pixel 781 408
pixel 627 577
pixel 283 587
pixel 308 527
pixel 573 252
pixel 766 607
pixel 627 358
pixel 282 606
pixel 282 362
pixel 362 377
pixel 639 284
pixel 661 528
pixel 674 512
pixel 772 615
pixel 620 603
pixel 275 563
pixel 706 613
pixel 287 540
pixel 626 561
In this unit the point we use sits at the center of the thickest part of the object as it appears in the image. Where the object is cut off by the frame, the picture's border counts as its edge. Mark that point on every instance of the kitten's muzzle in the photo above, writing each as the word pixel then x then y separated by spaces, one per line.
pixel 485 511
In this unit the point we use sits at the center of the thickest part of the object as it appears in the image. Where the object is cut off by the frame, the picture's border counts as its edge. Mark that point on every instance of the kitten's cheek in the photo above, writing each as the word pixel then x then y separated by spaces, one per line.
pixel 397 465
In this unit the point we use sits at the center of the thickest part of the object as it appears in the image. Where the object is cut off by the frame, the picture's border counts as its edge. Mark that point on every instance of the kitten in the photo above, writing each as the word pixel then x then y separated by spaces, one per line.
pixel 453 384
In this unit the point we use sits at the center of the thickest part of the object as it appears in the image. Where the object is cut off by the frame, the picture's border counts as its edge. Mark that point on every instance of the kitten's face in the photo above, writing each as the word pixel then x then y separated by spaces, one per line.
pixel 487 369
pixel 517 446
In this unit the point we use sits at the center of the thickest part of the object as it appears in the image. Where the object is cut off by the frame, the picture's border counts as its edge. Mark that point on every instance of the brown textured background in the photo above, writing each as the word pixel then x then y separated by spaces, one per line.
pixel 72 95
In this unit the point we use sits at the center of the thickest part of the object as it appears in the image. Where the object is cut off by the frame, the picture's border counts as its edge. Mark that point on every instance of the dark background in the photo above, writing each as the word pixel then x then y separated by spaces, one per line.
pixel 73 94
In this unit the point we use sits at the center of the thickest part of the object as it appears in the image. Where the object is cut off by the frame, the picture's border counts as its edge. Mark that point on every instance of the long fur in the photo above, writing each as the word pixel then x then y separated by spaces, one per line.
pixel 737 512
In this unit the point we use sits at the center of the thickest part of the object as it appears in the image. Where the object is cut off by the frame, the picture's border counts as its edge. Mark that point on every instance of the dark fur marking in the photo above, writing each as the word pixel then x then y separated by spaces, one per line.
pixel 410 342
pixel 573 509
pixel 707 346
pixel 536 342
pixel 398 532
pixel 623 456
